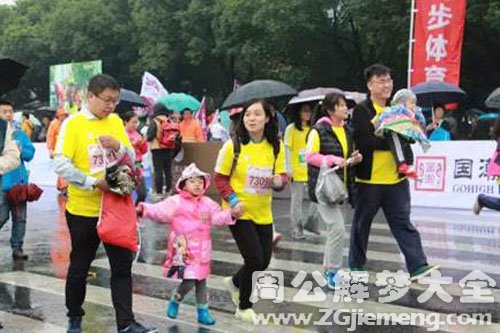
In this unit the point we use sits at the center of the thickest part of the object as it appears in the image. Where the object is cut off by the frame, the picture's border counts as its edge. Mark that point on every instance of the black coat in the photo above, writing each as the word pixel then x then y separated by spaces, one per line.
pixel 365 139
pixel 330 145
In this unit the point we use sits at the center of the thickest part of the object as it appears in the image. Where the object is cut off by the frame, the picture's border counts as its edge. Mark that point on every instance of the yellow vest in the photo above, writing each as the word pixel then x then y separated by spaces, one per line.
pixel 79 138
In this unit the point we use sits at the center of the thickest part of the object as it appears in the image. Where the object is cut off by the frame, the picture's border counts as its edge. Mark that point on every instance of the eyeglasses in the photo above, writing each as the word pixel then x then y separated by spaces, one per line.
pixel 383 82
pixel 113 101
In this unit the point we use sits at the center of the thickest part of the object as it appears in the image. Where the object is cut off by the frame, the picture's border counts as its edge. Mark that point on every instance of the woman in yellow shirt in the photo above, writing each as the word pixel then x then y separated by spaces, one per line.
pixel 296 165
pixel 248 169
pixel 330 143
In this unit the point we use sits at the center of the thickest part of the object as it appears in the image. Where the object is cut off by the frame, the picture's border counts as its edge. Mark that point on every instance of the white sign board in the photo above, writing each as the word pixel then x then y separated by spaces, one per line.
pixel 452 174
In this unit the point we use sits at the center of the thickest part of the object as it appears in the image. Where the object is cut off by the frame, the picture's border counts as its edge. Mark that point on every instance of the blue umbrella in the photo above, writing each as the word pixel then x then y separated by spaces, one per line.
pixel 436 92
pixel 488 116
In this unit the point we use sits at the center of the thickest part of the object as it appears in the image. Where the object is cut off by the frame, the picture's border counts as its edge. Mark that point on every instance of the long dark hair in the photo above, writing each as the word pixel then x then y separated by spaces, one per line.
pixel 270 130
pixel 327 104
pixel 295 116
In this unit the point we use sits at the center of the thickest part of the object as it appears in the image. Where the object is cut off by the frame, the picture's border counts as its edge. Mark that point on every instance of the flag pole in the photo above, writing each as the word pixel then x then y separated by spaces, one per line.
pixel 413 10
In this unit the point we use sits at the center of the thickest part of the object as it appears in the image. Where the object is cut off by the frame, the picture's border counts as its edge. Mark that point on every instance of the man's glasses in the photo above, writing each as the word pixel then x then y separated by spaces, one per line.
pixel 113 101
pixel 383 81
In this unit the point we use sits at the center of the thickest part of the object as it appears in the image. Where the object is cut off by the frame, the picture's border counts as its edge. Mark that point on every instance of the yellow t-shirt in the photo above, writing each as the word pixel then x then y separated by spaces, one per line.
pixel 313 143
pixel 296 141
pixel 79 145
pixel 384 168
pixel 252 177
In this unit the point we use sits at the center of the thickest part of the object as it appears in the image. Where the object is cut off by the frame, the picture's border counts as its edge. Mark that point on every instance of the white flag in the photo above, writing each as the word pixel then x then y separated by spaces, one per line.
pixel 152 89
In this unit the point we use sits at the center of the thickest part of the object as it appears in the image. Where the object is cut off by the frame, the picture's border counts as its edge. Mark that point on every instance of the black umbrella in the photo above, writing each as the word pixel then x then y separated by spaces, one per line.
pixel 129 99
pixel 11 73
pixel 273 91
pixel 493 100
pixel 436 92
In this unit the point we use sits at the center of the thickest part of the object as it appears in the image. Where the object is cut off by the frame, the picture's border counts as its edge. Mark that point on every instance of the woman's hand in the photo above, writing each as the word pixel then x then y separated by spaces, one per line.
pixel 356 157
pixel 139 209
pixel 237 211
pixel 277 181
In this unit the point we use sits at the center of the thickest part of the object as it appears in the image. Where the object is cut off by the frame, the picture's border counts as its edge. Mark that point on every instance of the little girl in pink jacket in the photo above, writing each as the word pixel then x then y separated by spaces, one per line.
pixel 190 215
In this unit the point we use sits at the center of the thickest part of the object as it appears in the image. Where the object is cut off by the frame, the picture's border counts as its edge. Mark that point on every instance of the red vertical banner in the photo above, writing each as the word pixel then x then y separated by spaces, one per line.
pixel 438 38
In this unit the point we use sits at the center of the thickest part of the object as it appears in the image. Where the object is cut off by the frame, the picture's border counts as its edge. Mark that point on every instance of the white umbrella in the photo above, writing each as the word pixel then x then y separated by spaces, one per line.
pixel 18 118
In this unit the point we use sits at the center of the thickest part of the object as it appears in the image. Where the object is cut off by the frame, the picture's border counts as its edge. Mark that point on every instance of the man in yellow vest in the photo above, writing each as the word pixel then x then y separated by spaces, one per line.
pixel 88 140
pixel 379 185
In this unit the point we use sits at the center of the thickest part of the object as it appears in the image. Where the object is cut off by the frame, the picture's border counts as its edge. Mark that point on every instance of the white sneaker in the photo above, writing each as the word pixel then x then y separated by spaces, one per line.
pixel 247 315
pixel 231 288
pixel 477 207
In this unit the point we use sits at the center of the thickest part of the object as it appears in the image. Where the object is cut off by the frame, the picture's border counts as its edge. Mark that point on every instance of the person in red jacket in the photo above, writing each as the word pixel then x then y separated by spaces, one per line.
pixel 140 145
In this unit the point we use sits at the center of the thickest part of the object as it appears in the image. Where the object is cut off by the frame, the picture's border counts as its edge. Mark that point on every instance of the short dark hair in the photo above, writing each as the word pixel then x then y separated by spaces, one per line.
pixel 160 110
pixel 26 114
pixel 327 104
pixel 376 70
pixel 6 102
pixel 101 82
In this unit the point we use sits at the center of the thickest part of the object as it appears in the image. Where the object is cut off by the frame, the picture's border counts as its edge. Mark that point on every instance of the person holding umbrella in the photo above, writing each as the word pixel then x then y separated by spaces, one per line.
pixel 438 130
pixel 295 156
pixel 379 185
pixel 248 168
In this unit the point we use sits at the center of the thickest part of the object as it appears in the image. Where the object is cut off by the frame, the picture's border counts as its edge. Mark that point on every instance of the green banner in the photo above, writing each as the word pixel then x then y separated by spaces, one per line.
pixel 68 83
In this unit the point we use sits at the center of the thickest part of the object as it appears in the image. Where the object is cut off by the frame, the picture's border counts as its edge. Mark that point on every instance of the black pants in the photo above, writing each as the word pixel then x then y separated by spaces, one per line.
pixel 395 202
pixel 187 285
pixel 255 243
pixel 176 269
pixel 400 149
pixel 141 191
pixel 162 164
pixel 84 242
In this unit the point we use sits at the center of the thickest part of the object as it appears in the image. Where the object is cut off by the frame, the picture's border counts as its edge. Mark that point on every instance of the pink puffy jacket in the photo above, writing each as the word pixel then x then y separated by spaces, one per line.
pixel 191 217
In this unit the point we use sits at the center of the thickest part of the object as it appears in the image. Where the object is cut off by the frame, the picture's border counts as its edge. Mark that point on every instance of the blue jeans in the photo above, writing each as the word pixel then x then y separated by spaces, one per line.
pixel 18 220
pixel 489 202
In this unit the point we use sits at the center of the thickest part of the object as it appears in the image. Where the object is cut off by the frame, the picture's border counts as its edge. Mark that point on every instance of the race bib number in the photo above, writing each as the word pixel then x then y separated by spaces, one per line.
pixel 302 157
pixel 98 160
pixel 259 180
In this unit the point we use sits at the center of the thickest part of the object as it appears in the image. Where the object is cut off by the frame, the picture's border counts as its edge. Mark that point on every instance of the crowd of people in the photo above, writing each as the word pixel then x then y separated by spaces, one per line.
pixel 370 157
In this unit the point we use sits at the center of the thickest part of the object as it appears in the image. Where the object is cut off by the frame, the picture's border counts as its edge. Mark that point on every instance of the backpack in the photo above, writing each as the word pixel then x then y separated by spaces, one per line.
pixel 237 151
pixel 168 134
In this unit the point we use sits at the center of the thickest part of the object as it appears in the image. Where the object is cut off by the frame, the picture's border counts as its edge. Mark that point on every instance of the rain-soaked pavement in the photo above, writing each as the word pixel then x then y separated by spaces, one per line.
pixel 32 292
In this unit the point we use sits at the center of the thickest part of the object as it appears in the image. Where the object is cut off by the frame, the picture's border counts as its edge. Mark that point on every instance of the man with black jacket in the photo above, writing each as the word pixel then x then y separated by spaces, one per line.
pixel 378 183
